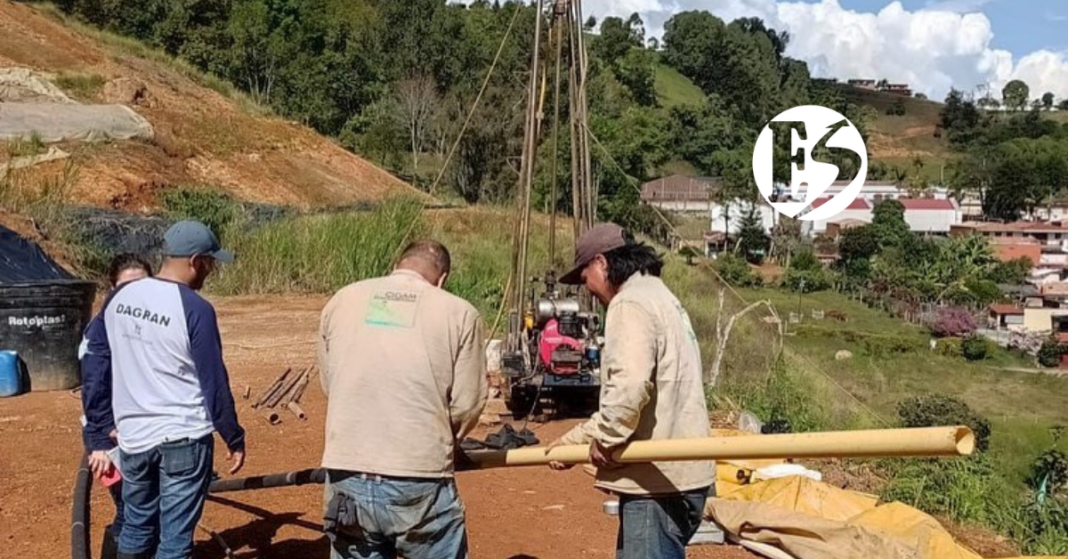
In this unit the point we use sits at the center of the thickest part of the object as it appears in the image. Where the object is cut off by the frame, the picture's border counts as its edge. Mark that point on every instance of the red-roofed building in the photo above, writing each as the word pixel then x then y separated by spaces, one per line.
pixel 928 215
pixel 858 204
pixel 1007 250
pixel 1045 232
pixel 1005 317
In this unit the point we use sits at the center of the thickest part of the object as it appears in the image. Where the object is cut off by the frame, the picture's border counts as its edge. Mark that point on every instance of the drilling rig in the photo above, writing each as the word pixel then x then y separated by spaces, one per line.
pixel 552 350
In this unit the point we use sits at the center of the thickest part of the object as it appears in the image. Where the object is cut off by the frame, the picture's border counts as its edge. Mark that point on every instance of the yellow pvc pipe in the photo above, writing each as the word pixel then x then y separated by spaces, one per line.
pixel 875 443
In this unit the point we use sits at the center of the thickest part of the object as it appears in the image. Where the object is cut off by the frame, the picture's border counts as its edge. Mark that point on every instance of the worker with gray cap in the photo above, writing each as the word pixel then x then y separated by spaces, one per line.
pixel 651 389
pixel 153 368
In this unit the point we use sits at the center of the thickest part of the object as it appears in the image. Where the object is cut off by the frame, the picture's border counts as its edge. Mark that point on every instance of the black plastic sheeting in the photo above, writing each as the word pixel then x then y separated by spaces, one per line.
pixel 22 261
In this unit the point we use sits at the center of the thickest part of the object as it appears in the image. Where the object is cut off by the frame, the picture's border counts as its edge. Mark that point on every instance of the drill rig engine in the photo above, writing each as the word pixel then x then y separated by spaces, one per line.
pixel 558 354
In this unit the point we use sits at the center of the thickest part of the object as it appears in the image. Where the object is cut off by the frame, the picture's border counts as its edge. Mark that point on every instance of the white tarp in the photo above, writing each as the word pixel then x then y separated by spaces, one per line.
pixel 21 85
pixel 55 122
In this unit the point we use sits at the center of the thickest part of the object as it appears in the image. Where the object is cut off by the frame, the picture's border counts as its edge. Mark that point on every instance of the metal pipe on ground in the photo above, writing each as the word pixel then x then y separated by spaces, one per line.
pixel 273 388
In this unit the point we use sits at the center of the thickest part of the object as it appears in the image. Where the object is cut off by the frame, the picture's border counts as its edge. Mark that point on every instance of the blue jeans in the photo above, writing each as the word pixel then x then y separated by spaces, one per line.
pixel 415 518
pixel 658 527
pixel 163 490
pixel 120 517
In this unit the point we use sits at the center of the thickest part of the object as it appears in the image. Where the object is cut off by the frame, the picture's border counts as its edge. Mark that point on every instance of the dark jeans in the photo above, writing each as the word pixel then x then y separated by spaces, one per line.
pixel 413 518
pixel 660 526
pixel 120 517
pixel 163 490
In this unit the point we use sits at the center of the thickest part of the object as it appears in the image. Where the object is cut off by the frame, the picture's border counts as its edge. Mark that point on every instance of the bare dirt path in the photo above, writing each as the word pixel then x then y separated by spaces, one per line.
pixel 513 513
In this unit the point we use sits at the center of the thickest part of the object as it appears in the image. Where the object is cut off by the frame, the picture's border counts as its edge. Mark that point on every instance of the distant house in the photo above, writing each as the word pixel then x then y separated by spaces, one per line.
pixel 1045 232
pixel 857 210
pixel 863 84
pixel 902 89
pixel 680 193
pixel 1005 317
pixel 727 218
pixel 923 215
pixel 1007 250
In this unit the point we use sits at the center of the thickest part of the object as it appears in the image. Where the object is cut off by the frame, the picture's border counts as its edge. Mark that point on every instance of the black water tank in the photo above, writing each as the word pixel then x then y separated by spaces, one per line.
pixel 43 321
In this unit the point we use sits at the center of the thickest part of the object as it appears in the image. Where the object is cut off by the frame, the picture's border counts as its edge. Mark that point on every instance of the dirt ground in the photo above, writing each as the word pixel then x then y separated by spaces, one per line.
pixel 512 513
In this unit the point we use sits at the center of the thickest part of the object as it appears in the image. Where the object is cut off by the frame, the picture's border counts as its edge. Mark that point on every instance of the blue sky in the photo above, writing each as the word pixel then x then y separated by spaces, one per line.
pixel 933 45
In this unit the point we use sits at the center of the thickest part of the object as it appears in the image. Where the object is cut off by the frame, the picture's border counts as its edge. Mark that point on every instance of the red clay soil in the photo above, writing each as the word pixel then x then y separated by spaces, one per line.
pixel 202 137
pixel 512 513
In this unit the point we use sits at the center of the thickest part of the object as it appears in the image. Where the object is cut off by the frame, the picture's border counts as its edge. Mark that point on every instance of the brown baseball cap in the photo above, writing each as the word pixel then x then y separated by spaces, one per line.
pixel 600 239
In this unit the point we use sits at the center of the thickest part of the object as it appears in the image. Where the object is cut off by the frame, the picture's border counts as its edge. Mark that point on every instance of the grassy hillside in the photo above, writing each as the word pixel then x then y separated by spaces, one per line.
pixel 205 132
pixel 1021 406
pixel 673 88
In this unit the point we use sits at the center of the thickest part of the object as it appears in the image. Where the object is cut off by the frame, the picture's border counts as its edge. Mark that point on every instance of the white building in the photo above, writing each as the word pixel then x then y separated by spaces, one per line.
pixel 727 219
pixel 923 215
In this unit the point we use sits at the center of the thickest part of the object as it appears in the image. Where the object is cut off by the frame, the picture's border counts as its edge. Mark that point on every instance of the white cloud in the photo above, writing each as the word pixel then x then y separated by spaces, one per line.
pixel 945 45
pixel 958 6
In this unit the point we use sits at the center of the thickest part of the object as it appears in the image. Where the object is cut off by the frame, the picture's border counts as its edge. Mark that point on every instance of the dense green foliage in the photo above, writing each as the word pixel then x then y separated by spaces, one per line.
pixel 1013 162
pixel 395 80
pixel 938 410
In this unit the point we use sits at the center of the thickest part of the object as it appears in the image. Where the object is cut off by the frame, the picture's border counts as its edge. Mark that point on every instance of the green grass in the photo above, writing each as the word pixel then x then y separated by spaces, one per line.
pixel 83 87
pixel 1022 406
pixel 317 254
pixel 673 88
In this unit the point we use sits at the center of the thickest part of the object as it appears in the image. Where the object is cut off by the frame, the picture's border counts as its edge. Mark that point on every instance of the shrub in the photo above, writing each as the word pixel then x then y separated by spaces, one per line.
pixel 210 207
pixel 953 322
pixel 882 346
pixel 949 347
pixel 736 271
pixel 1049 354
pixel 807 281
pixel 938 410
pixel 1049 472
pixel 976 348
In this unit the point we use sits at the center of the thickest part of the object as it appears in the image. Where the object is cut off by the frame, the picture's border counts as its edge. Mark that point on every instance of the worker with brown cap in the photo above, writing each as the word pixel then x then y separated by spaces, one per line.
pixel 403 368
pixel 651 389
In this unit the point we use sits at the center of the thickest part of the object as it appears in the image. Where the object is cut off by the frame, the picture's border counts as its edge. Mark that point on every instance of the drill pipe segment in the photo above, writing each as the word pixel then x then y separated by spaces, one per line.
pixel 876 443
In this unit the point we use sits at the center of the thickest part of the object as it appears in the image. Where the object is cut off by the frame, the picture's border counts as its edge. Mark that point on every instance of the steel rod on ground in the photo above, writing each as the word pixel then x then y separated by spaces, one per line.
pixel 285 389
pixel 273 388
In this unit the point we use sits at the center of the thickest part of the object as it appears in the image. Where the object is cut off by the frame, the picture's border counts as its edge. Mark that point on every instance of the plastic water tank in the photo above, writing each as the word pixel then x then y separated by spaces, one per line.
pixel 10 375
pixel 43 323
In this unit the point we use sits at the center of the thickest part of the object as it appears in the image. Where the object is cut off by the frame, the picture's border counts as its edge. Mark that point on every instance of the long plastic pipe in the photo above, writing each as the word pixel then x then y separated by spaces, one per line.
pixel 876 443
pixel 79 516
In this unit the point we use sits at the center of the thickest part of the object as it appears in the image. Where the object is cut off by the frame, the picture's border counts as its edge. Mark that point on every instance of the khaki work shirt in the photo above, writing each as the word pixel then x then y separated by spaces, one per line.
pixel 403 367
pixel 651 389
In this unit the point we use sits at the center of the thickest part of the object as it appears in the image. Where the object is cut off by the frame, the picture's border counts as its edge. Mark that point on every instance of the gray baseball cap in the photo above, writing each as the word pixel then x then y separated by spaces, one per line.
pixel 600 239
pixel 190 238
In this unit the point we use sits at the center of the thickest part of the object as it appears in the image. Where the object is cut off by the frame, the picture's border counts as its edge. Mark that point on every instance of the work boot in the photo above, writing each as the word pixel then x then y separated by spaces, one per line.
pixel 109 548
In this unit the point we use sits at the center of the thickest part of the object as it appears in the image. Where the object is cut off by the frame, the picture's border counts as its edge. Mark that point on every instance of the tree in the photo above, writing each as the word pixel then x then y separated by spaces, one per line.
pixel 883 85
pixel 753 242
pixel 1049 354
pixel 618 37
pixel 935 410
pixel 921 96
pixel 591 23
pixel 1015 94
pixel 636 70
pixel 417 99
pixel 888 223
pixel 1063 105
pixel 858 243
pixel 953 322
pixel 1047 100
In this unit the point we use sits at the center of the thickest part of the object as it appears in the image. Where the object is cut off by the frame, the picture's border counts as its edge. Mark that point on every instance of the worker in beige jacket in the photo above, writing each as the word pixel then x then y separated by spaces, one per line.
pixel 651 389
pixel 403 368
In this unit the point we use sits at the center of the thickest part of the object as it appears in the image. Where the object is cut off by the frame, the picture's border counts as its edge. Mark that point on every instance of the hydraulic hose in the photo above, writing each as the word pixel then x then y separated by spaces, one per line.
pixel 79 521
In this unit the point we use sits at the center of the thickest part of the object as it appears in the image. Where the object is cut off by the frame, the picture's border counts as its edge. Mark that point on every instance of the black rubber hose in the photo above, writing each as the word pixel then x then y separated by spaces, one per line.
pixel 300 477
pixel 79 518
